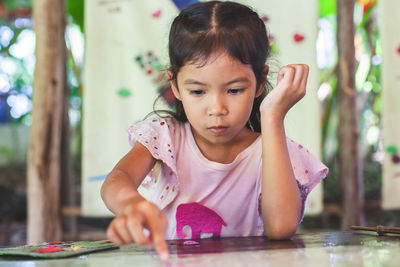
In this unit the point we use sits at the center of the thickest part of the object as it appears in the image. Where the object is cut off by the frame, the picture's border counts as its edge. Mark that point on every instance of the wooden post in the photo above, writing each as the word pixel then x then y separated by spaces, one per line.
pixel 350 163
pixel 68 223
pixel 44 154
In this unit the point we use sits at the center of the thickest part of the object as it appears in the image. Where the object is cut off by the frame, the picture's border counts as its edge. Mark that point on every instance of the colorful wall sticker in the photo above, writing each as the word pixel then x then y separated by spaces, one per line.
pixel 297 37
pixel 151 66
pixel 393 151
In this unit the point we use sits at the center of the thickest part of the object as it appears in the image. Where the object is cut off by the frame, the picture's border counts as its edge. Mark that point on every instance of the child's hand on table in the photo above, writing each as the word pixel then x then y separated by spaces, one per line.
pixel 128 227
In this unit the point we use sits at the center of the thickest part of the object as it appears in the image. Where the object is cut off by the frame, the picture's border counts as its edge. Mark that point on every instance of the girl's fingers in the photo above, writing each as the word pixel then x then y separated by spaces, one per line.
pixel 299 75
pixel 129 227
pixel 305 76
pixel 161 247
pixel 113 236
pixel 286 74
pixel 135 227
pixel 157 226
pixel 122 229
pixel 290 88
pixel 281 74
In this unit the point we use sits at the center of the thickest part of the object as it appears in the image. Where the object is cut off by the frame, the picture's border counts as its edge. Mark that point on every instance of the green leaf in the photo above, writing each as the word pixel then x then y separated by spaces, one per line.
pixel 6 151
pixel 14 4
pixel 76 9
pixel 326 7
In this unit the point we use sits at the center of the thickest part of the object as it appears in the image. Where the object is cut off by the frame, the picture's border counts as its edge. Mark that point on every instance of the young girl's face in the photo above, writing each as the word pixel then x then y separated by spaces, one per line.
pixel 217 98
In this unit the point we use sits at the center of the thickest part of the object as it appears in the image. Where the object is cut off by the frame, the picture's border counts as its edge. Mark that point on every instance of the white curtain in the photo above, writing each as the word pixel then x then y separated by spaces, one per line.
pixel 389 21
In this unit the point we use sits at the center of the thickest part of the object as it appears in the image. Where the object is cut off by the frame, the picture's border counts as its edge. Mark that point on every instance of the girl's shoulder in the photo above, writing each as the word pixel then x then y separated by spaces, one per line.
pixel 153 129
pixel 160 136
pixel 158 121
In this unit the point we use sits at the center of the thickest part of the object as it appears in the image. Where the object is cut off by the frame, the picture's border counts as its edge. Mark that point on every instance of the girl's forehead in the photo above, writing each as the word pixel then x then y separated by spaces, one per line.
pixel 218 68
pixel 215 57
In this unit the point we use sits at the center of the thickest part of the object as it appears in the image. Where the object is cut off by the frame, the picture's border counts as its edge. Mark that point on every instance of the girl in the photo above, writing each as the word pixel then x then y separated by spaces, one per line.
pixel 227 167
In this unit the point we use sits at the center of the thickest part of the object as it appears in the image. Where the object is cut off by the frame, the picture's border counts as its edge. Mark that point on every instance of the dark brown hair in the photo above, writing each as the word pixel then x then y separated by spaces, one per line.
pixel 207 27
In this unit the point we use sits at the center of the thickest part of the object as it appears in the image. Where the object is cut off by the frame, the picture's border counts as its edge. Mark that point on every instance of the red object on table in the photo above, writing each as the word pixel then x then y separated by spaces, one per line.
pixel 46 250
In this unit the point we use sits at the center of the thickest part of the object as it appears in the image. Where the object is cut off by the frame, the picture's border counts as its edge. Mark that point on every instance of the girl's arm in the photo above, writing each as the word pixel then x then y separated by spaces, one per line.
pixel 280 197
pixel 133 212
pixel 120 186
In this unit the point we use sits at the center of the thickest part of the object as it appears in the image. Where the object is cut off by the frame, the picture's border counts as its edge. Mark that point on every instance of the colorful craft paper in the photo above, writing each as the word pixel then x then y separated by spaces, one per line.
pixel 57 249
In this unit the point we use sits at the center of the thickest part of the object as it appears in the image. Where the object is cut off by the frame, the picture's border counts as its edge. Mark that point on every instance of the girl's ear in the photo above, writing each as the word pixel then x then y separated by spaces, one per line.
pixel 174 86
pixel 260 90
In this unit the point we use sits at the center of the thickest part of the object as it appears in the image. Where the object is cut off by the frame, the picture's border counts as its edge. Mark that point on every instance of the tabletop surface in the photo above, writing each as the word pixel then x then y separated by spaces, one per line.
pixel 311 249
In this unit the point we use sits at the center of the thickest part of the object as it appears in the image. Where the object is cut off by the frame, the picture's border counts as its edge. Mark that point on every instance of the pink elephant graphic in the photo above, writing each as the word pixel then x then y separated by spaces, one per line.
pixel 199 218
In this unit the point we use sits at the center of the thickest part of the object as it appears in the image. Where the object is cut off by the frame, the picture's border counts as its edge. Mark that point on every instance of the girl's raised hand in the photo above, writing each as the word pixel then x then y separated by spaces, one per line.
pixel 290 88
pixel 128 227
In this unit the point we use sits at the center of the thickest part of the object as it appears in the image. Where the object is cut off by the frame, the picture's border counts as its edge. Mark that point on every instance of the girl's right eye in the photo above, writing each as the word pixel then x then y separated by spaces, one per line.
pixel 196 92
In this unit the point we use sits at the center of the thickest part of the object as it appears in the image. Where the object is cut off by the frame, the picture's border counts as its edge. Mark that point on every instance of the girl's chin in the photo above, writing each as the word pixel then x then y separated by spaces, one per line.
pixel 218 130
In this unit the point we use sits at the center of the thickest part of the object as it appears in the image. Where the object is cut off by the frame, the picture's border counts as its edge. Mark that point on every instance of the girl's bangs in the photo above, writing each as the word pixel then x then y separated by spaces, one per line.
pixel 199 49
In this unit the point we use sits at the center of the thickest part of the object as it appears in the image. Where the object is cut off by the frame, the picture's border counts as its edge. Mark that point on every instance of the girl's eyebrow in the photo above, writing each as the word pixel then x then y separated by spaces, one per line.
pixel 237 80
pixel 192 81
pixel 240 79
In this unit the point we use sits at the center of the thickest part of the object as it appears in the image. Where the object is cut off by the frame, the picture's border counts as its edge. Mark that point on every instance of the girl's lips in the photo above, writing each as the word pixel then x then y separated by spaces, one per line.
pixel 218 129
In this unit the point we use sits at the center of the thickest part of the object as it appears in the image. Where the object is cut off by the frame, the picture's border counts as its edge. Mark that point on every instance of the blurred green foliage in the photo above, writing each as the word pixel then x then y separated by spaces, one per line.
pixel 76 10
pixel 327 8
pixel 16 24
pixel 369 102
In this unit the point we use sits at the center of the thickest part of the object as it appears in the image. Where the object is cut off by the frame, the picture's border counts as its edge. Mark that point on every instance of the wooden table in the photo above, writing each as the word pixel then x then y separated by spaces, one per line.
pixel 312 249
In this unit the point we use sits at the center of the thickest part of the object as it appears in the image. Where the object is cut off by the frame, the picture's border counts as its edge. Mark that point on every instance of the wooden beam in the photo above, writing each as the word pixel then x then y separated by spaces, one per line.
pixel 337 209
pixel 44 164
pixel 348 131
pixel 71 211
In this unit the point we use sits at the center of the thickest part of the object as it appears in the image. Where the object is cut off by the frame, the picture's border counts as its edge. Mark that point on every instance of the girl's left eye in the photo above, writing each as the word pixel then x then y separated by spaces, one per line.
pixel 235 91
pixel 196 92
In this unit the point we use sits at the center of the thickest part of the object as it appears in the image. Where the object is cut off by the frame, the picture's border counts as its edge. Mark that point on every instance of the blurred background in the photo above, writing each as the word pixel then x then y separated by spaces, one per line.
pixel 17 66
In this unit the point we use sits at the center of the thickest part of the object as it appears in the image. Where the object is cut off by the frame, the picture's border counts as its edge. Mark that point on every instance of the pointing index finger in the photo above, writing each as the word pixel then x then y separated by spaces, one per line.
pixel 157 229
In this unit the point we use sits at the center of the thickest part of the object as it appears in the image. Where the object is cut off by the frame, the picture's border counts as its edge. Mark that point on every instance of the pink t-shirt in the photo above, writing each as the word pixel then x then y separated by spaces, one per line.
pixel 231 190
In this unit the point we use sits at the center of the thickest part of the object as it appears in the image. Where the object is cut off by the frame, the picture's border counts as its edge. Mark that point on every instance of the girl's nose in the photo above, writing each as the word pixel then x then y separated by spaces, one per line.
pixel 217 108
